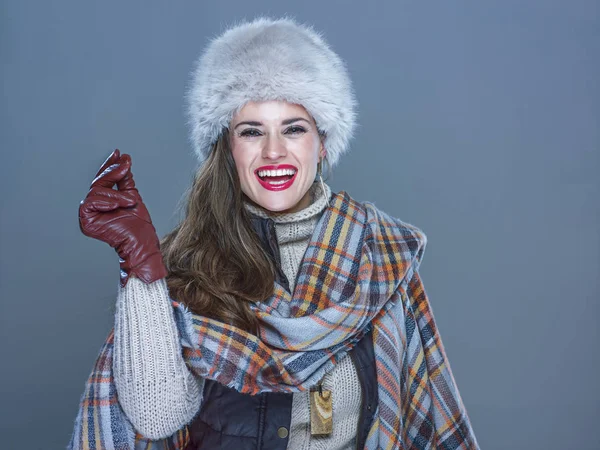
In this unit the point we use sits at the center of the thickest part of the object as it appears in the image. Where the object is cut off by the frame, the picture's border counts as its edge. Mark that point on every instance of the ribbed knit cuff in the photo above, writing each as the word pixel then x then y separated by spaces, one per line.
pixel 155 388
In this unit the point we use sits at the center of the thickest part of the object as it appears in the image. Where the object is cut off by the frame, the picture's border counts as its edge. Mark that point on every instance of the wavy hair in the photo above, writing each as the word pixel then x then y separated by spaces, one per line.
pixel 215 259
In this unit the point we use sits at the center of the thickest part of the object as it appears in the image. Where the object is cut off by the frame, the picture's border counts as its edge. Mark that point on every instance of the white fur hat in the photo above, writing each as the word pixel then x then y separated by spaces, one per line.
pixel 270 59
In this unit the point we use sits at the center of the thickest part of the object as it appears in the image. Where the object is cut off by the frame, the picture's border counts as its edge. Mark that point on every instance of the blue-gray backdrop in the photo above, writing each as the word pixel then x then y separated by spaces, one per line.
pixel 479 123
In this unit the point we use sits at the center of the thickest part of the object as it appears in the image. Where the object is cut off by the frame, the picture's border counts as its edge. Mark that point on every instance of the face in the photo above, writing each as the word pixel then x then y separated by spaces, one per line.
pixel 276 147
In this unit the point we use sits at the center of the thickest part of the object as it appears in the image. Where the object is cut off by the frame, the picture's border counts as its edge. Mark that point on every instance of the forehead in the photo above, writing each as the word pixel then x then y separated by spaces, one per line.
pixel 272 111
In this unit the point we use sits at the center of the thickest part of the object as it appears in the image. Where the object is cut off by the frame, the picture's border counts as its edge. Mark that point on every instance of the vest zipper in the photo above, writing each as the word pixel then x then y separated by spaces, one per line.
pixel 261 419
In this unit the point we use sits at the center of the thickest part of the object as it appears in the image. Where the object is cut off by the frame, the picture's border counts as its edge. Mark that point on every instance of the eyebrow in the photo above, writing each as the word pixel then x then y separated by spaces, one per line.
pixel 284 122
pixel 295 119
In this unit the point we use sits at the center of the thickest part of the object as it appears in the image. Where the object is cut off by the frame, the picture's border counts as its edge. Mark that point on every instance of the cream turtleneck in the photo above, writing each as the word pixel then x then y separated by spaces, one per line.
pixel 294 230
pixel 158 392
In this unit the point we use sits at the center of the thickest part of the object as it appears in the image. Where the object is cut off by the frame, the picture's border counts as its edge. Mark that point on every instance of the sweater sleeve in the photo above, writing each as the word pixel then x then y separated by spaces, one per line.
pixel 156 390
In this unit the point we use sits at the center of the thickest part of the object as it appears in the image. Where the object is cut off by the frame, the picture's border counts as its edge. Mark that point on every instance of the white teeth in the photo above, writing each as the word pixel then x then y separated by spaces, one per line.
pixel 276 173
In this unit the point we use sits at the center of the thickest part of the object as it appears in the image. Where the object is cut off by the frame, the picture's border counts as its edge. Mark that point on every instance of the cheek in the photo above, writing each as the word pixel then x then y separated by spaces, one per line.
pixel 309 152
pixel 240 158
pixel 313 163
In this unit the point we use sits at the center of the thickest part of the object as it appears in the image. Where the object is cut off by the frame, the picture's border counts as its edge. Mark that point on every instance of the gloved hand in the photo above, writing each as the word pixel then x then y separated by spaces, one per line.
pixel 120 218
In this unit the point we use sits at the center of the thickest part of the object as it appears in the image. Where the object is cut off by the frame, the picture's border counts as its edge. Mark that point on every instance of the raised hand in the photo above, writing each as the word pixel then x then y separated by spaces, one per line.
pixel 120 218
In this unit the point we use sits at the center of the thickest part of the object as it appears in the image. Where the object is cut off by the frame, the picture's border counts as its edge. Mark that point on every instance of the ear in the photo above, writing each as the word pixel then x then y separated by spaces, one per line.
pixel 322 151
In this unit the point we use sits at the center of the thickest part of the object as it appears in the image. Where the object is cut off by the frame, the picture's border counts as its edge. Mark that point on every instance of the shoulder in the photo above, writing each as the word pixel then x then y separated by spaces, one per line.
pixel 392 232
pixel 386 220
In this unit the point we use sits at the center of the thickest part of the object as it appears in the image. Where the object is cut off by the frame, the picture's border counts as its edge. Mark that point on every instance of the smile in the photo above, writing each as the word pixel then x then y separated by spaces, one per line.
pixel 276 178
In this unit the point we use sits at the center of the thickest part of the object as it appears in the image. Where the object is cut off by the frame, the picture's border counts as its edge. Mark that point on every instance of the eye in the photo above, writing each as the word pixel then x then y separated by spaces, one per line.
pixel 295 129
pixel 250 132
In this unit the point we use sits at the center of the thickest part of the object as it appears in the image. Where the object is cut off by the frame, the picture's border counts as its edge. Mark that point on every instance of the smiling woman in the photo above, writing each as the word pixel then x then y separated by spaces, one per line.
pixel 276 147
pixel 277 314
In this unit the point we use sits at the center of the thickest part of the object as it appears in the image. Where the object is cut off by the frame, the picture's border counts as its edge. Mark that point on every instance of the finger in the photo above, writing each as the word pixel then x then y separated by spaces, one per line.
pixel 111 175
pixel 112 159
pixel 98 203
pixel 126 183
pixel 125 200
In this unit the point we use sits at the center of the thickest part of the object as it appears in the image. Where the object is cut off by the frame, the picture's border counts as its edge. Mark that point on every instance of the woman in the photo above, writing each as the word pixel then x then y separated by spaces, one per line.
pixel 277 314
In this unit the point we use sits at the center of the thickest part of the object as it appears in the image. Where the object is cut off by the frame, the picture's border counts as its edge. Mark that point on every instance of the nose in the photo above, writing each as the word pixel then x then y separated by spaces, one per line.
pixel 274 148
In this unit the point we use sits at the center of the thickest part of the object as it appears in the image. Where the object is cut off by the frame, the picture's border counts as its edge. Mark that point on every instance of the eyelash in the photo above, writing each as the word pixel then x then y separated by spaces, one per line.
pixel 297 130
pixel 249 132
pixel 253 132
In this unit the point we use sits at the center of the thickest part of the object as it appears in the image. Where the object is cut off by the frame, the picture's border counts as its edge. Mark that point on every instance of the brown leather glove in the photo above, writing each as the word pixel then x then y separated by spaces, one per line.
pixel 120 218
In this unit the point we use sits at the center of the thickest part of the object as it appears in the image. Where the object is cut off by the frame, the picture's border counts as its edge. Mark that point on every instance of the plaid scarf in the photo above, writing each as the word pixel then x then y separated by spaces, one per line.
pixel 360 270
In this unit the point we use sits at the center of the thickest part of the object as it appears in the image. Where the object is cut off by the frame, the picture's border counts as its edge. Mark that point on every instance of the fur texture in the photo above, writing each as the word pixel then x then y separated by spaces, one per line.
pixel 269 59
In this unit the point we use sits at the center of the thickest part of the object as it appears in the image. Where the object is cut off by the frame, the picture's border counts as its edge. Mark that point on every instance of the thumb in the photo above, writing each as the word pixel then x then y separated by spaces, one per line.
pixel 124 199
pixel 98 203
pixel 126 183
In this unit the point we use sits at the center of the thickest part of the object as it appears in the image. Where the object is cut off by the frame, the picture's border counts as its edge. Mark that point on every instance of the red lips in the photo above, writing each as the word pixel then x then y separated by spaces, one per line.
pixel 275 183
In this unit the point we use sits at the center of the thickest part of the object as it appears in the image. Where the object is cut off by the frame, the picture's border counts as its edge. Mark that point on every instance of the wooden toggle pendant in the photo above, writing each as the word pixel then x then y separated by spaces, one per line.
pixel 321 412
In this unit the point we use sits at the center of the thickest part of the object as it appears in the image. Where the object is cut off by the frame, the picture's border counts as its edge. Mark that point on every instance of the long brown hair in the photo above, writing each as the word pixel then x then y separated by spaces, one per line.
pixel 215 259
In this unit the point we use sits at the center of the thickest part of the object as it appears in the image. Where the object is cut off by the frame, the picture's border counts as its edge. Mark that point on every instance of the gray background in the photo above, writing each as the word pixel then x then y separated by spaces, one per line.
pixel 479 123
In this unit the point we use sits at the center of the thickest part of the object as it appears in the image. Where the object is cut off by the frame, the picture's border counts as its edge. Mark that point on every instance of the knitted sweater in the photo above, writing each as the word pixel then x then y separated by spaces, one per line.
pixel 160 395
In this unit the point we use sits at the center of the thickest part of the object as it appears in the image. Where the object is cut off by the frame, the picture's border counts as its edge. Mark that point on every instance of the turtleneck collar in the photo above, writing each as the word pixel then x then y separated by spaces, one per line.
pixel 319 201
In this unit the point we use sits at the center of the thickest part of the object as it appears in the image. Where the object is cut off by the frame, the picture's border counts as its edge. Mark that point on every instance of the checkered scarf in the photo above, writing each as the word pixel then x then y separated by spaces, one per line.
pixel 360 270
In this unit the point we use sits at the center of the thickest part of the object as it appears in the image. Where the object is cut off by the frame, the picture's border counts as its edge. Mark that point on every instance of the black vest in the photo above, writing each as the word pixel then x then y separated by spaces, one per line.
pixel 230 420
